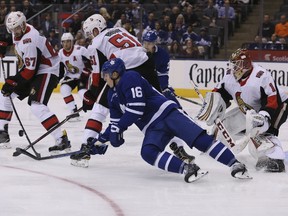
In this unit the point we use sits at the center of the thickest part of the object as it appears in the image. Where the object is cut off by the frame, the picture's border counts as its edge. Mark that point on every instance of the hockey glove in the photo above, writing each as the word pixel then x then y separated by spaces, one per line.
pixel 85 74
pixel 88 100
pixel 3 48
pixel 169 93
pixel 96 149
pixel 116 136
pixel 9 86
pixel 257 123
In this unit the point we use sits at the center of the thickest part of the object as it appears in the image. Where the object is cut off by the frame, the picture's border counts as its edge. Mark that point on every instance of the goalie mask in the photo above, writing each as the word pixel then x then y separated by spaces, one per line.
pixel 241 63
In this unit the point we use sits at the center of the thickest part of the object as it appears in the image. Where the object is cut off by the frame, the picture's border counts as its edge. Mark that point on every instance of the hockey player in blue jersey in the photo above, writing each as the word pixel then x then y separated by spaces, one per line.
pixel 132 100
pixel 162 64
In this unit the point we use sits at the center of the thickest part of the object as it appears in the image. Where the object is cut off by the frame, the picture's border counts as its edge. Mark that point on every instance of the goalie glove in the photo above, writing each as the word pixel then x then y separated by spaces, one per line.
pixel 257 123
pixel 213 107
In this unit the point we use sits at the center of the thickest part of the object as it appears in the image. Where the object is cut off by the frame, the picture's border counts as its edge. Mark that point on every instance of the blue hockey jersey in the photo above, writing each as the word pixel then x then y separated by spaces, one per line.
pixel 162 65
pixel 134 100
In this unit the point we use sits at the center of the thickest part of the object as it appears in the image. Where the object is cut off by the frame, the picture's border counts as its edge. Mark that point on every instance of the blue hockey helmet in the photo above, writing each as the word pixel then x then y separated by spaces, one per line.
pixel 113 65
pixel 150 36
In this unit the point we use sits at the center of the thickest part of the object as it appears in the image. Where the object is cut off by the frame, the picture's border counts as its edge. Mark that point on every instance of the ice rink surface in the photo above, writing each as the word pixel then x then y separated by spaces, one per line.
pixel 120 183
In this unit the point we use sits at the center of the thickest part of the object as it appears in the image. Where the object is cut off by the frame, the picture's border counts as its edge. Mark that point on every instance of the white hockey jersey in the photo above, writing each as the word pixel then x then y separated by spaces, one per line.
pixel 258 91
pixel 32 48
pixel 73 61
pixel 119 43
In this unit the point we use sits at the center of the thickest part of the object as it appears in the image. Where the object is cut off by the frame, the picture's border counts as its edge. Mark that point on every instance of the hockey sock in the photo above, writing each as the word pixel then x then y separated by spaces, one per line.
pixel 215 149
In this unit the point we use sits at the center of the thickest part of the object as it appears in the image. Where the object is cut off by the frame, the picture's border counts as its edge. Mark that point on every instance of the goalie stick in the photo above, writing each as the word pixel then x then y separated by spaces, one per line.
pixel 236 147
pixel 17 152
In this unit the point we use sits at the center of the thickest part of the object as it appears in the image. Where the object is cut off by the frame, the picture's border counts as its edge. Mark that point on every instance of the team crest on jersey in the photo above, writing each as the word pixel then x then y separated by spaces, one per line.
pixel 242 105
pixel 20 62
pixel 72 69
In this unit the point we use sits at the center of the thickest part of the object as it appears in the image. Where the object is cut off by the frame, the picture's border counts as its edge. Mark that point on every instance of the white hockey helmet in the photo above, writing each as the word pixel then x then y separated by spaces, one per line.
pixel 92 22
pixel 15 19
pixel 67 36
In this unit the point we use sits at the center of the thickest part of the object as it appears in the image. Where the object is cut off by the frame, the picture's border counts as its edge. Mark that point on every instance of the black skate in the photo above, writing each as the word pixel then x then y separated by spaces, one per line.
pixel 4 138
pixel 275 165
pixel 82 158
pixel 193 172
pixel 180 152
pixel 62 144
pixel 238 170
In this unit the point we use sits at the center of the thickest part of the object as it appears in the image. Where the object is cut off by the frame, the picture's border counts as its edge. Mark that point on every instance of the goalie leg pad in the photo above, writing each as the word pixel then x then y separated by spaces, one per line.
pixel 213 107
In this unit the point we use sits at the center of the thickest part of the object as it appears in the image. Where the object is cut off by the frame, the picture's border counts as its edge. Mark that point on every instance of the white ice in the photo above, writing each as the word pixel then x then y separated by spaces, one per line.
pixel 120 183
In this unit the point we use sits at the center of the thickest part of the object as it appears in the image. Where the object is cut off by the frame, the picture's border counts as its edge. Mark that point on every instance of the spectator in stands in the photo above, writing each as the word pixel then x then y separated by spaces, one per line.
pixel 175 50
pixel 189 50
pixel 191 17
pixel 259 43
pixel 268 28
pixel 211 14
pixel 54 40
pixel 128 26
pixel 79 35
pixel 75 25
pixel 103 11
pixel 27 9
pixel 189 34
pixel 162 35
pixel 274 43
pixel 180 27
pixel 150 22
pixel 3 11
pixel 226 12
pixel 135 11
pixel 47 25
pixel 203 43
pixel 171 34
pixel 165 22
pixel 174 14
pixel 120 22
pixel 281 28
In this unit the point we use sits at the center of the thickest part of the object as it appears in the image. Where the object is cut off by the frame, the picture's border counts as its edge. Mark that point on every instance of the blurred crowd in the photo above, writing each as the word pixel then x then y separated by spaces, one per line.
pixel 191 29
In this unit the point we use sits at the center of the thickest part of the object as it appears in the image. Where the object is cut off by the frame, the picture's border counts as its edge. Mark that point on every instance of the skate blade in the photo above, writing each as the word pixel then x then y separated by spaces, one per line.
pixel 200 174
pixel 243 176
pixel 80 163
pixel 75 119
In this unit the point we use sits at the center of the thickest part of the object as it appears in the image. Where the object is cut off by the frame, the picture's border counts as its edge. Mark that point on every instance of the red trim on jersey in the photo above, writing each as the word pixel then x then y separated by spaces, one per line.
pixel 68 53
pixel 112 56
pixel 272 102
pixel 68 99
pixel 6 115
pixel 27 74
pixel 45 61
pixel 26 31
pixel 243 81
pixel 41 89
pixel 94 125
pixel 95 79
pixel 50 122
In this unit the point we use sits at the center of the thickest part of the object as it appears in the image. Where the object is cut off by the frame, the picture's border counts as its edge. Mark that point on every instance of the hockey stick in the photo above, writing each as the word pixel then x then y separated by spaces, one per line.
pixel 18 152
pixel 235 147
pixel 24 152
pixel 16 113
pixel 188 100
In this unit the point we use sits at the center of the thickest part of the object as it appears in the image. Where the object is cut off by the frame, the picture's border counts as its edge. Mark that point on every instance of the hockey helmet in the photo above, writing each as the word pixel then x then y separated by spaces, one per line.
pixel 15 19
pixel 92 22
pixel 241 63
pixel 113 65
pixel 67 36
pixel 150 36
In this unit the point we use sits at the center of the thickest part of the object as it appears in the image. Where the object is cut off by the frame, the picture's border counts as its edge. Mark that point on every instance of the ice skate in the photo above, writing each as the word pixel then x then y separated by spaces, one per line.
pixel 81 159
pixel 180 152
pixel 4 138
pixel 61 144
pixel 193 172
pixel 238 170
